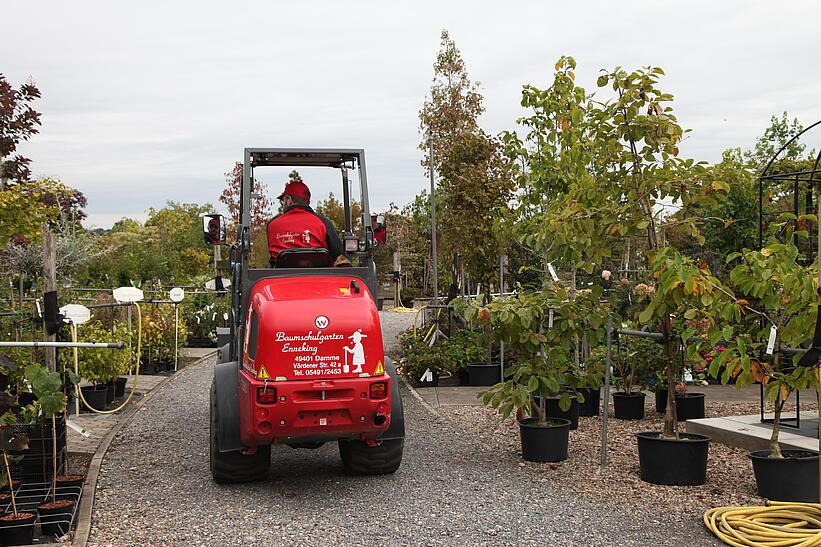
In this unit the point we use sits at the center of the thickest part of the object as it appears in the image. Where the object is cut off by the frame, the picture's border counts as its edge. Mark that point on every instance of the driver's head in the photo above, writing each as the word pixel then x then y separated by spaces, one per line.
pixel 295 193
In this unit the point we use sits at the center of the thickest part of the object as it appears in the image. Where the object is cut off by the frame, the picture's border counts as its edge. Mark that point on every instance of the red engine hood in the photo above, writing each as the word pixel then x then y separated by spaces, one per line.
pixel 313 327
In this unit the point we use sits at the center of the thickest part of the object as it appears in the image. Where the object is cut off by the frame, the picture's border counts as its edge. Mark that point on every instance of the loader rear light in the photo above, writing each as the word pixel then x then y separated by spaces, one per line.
pixel 266 395
pixel 379 390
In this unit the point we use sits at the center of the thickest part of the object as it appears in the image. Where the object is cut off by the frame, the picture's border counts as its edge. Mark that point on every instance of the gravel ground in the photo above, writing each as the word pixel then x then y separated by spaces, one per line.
pixel 730 479
pixel 460 483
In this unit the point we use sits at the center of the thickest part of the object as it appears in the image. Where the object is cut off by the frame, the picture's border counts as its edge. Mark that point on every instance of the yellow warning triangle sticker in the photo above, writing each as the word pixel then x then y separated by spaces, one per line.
pixel 379 368
pixel 262 374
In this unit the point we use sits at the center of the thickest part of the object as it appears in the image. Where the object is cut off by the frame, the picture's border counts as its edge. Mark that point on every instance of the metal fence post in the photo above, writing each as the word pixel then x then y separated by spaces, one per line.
pixel 605 411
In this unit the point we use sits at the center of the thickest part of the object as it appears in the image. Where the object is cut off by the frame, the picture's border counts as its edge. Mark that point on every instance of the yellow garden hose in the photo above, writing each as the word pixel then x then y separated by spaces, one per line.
pixel 400 308
pixel 136 369
pixel 781 524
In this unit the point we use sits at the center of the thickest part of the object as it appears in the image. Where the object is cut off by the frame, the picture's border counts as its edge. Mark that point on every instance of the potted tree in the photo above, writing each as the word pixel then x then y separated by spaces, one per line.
pixel 16 527
pixel 522 320
pixel 541 328
pixel 776 310
pixel 55 512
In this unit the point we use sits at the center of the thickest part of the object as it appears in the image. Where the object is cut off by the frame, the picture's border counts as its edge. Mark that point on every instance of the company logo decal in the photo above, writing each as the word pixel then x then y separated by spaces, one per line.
pixel 321 322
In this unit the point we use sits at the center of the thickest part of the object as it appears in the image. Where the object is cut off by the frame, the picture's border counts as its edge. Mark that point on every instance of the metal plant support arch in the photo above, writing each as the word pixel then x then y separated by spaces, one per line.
pixel 801 180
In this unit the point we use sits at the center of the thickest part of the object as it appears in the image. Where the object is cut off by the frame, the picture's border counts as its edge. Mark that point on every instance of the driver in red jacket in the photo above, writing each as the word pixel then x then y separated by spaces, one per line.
pixel 299 226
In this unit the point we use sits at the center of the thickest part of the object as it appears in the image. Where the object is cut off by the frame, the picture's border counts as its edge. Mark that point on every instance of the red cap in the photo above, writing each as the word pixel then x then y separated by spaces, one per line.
pixel 296 188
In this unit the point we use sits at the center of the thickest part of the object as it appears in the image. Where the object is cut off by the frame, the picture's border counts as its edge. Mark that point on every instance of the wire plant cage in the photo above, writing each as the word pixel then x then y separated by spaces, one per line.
pixel 788 186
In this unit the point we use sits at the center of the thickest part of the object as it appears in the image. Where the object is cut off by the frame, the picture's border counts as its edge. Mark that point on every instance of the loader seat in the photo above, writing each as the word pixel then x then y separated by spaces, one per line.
pixel 307 257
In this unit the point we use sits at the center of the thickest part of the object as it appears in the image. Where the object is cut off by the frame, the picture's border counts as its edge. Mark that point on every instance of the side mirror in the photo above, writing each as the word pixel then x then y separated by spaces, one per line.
pixel 213 229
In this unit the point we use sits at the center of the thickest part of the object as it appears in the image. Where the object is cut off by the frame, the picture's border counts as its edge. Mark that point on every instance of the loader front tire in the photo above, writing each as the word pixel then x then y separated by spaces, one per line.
pixel 361 459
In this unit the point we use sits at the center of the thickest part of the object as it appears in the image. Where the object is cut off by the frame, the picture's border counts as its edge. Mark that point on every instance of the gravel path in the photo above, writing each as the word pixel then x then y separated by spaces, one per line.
pixel 155 488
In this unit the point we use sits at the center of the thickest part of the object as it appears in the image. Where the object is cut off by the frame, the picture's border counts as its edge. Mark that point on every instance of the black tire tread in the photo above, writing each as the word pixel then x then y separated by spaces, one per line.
pixel 361 459
pixel 234 467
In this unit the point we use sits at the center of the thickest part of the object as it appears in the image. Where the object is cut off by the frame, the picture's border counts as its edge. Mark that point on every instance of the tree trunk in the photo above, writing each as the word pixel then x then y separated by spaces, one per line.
pixel 671 414
pixel 774 446
pixel 11 484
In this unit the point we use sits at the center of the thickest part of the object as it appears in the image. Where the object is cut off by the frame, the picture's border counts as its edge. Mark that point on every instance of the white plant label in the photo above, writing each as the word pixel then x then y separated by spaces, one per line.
pixel 78 428
pixel 427 376
pixel 771 341
pixel 552 271
pixel 550 319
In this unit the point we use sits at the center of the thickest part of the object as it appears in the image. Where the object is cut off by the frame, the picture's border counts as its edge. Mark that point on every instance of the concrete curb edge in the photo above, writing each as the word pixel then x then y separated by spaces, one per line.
pixel 416 394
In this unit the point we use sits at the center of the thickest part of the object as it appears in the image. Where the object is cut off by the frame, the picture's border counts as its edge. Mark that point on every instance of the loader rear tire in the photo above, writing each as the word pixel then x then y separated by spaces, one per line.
pixel 233 467
pixel 361 459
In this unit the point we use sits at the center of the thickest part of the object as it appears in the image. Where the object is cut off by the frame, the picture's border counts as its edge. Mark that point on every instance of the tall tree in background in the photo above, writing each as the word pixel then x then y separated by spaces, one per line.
pixel 334 210
pixel 775 136
pixel 474 181
pixel 260 202
pixel 18 122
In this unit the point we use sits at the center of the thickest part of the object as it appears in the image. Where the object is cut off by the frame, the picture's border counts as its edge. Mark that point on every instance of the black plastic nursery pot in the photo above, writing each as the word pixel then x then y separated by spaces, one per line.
pixel 544 443
pixel 791 478
pixel 17 531
pixel 483 374
pixel 148 368
pixel 673 462
pixel 661 400
pixel 96 396
pixel 464 377
pixel 592 401
pixel 628 406
pixel 69 486
pixel 56 516
pixel 427 380
pixel 119 387
pixel 689 406
pixel 109 394
pixel 552 410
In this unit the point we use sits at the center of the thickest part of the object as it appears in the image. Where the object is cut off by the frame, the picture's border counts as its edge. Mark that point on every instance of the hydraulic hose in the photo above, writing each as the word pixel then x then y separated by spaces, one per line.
pixel 136 369
pixel 781 524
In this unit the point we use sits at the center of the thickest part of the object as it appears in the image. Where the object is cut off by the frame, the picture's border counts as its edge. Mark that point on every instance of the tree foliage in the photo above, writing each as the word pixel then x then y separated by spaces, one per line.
pixel 18 122
pixel 260 202
pixel 475 183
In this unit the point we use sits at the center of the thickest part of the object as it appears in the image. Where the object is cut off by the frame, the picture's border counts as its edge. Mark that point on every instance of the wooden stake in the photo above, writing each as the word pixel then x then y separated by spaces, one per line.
pixel 50 283
pixel 11 484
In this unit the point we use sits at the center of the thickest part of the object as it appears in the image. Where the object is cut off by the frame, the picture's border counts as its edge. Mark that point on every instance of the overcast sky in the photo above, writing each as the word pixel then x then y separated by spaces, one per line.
pixel 148 101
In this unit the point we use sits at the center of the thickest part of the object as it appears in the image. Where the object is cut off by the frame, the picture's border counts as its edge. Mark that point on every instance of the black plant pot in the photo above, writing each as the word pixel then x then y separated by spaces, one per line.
pixel 482 374
pixel 19 531
pixel 544 443
pixel 109 395
pixel 95 396
pixel 690 406
pixel 661 400
pixel 148 368
pixel 672 462
pixel 553 410
pixel 119 387
pixel 628 406
pixel 56 521
pixel 464 377
pixel 792 478
pixel 427 381
pixel 69 486
pixel 592 401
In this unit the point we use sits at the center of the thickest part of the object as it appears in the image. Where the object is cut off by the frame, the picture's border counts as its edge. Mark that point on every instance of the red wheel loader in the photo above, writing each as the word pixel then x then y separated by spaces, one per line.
pixel 304 363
